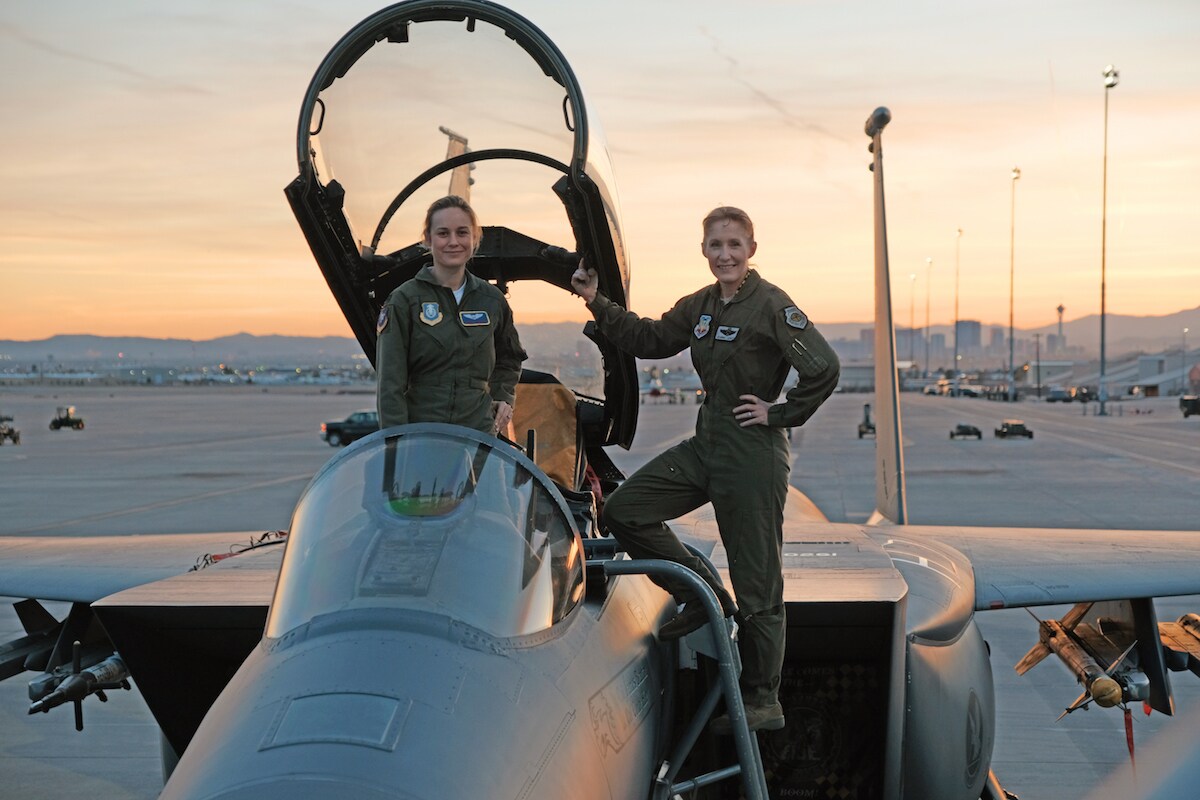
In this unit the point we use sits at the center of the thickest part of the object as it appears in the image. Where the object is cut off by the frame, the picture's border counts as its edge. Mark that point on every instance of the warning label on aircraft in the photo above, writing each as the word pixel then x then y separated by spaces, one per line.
pixel 619 708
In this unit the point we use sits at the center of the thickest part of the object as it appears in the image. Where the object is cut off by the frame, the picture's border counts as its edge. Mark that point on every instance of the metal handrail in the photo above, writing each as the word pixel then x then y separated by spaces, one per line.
pixel 728 668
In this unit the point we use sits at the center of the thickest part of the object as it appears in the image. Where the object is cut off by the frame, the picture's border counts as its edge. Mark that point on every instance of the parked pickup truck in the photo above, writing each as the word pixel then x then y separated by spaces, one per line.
pixel 350 429
pixel 965 431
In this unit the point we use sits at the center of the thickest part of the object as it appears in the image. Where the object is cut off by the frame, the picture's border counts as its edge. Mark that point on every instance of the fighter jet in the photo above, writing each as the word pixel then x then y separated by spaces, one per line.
pixel 443 617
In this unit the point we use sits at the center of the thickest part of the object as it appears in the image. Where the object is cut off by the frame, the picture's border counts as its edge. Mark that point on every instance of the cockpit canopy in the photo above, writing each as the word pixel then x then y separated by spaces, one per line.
pixel 428 98
pixel 432 518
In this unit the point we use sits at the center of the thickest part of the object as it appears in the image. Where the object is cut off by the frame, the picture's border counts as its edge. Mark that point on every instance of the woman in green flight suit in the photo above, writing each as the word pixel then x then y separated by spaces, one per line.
pixel 447 349
pixel 744 334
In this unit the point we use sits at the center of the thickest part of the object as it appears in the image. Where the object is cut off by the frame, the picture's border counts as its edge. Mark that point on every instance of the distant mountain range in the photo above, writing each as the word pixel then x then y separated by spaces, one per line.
pixel 242 349
pixel 1124 334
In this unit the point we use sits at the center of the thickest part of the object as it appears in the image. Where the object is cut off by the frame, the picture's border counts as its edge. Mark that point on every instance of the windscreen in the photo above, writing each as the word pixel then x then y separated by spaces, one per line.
pixel 438 519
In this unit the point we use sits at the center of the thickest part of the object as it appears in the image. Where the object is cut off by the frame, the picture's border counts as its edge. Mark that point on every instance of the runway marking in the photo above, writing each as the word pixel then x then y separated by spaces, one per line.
pixel 1160 462
pixel 168 503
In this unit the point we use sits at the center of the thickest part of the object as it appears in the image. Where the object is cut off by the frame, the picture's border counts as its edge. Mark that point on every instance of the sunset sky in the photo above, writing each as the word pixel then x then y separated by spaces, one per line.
pixel 146 146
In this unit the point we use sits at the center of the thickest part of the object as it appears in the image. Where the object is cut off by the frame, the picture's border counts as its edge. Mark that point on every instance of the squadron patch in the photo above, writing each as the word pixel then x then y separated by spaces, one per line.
pixel 471 319
pixel 795 317
pixel 726 333
pixel 381 323
pixel 431 314
pixel 701 329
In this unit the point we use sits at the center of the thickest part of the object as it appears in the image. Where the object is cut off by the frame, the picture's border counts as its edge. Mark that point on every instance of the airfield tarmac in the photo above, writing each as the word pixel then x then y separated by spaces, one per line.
pixel 169 460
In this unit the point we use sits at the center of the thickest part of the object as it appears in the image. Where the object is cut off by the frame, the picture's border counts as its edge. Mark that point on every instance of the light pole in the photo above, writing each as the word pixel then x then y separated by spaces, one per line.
pixel 1037 343
pixel 1012 230
pixel 957 251
pixel 928 272
pixel 1111 77
pixel 912 305
pixel 1183 385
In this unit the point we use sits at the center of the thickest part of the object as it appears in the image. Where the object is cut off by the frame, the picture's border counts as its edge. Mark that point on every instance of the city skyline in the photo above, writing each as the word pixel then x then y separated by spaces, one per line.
pixel 149 147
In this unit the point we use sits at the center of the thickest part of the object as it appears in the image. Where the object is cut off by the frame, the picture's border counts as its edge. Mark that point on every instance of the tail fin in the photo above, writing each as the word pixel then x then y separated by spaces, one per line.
pixel 891 502
pixel 460 178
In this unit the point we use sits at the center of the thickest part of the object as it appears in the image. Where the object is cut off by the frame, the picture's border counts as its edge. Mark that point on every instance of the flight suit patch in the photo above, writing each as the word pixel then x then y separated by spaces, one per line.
pixel 473 318
pixel 431 313
pixel 381 323
pixel 795 317
pixel 701 329
pixel 727 333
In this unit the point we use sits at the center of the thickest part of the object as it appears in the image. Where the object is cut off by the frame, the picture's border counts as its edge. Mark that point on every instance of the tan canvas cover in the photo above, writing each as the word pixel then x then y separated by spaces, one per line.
pixel 549 409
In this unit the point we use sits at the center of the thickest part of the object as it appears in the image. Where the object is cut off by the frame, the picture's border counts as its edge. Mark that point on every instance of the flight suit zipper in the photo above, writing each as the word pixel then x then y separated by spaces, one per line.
pixel 452 401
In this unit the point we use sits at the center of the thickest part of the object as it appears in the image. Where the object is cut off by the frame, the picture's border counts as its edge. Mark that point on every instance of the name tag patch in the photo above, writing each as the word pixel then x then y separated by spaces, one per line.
pixel 431 313
pixel 726 333
pixel 471 319
pixel 701 329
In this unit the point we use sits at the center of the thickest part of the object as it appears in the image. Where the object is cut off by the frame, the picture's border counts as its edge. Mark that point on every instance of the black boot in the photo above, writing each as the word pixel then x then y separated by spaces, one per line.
pixel 693 616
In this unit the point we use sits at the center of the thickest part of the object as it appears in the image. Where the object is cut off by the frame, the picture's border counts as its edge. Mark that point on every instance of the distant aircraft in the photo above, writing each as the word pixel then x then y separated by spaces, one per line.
pixel 446 620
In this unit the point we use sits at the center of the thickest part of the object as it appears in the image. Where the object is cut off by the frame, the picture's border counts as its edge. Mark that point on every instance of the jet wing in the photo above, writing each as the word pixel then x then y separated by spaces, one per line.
pixel 163 600
pixel 85 569
pixel 1018 567
pixel 1045 566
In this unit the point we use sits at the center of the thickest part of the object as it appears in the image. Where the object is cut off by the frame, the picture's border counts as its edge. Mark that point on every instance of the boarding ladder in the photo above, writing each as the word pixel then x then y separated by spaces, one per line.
pixel 715 640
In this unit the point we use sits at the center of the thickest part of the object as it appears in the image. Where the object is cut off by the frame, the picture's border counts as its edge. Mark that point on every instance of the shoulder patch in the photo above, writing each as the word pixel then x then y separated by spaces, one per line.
pixel 382 322
pixel 795 317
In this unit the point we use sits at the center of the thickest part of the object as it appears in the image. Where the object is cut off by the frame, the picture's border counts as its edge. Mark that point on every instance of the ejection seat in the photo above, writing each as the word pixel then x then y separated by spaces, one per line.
pixel 547 407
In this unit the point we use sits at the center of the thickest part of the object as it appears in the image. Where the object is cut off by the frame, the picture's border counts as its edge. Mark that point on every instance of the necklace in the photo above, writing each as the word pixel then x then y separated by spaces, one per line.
pixel 738 289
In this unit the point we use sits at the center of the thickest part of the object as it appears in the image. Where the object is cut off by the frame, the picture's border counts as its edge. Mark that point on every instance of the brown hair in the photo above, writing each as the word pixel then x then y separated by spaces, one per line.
pixel 729 214
pixel 453 201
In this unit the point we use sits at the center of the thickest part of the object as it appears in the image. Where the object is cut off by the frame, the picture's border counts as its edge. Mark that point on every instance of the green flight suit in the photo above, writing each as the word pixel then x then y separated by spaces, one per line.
pixel 741 347
pixel 443 361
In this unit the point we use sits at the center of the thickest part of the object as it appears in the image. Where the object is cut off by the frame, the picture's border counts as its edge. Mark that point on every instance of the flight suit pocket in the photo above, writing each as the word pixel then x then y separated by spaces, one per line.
pixel 483 354
pixel 806 362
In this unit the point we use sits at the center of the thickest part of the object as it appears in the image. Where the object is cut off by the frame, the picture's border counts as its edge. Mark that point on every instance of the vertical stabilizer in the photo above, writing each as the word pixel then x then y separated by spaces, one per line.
pixel 891 502
pixel 460 177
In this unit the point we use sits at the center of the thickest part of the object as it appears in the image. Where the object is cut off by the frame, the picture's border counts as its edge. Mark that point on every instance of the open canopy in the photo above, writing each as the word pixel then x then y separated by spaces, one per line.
pixel 425 99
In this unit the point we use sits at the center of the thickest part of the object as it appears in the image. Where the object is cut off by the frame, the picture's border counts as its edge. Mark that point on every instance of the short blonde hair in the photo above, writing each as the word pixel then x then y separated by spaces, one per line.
pixel 729 214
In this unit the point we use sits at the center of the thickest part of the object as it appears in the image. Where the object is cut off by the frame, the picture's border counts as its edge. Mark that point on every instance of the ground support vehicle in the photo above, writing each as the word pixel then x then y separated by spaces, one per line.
pixel 866 427
pixel 64 417
pixel 964 431
pixel 1013 427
